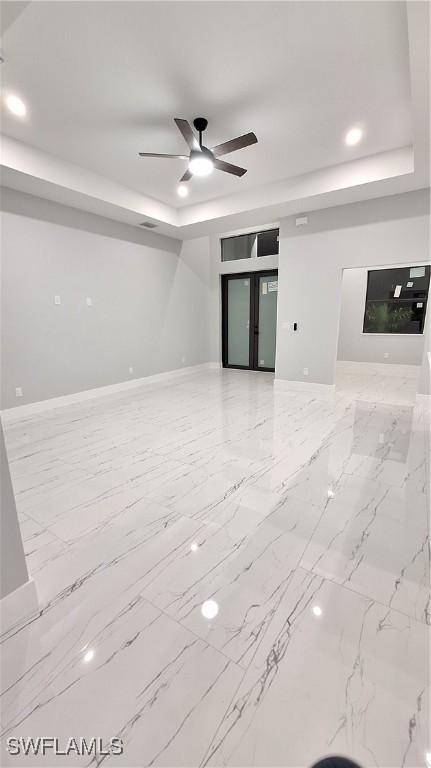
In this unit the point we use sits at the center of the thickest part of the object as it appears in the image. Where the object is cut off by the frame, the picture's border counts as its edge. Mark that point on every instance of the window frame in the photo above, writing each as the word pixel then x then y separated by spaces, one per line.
pixel 391 267
pixel 250 234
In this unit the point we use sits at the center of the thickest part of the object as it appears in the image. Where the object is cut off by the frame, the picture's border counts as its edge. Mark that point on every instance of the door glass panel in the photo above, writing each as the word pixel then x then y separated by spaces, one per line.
pixel 268 292
pixel 238 319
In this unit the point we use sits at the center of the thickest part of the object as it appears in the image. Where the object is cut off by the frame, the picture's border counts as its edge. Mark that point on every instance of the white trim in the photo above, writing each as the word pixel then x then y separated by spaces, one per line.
pixel 20 411
pixel 250 230
pixel 257 264
pixel 390 335
pixel 423 399
pixel 400 265
pixel 19 604
pixel 287 385
pixel 388 369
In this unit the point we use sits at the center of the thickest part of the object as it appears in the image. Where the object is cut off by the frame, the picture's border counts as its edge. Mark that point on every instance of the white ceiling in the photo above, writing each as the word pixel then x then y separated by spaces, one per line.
pixel 103 80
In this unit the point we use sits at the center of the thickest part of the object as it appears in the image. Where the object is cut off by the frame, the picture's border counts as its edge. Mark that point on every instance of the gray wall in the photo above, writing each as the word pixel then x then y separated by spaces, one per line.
pixel 369 347
pixel 391 230
pixel 149 294
pixel 424 382
pixel 13 571
pixel 156 303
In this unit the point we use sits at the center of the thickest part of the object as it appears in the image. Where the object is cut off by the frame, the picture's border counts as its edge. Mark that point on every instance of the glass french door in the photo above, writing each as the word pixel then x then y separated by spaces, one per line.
pixel 249 310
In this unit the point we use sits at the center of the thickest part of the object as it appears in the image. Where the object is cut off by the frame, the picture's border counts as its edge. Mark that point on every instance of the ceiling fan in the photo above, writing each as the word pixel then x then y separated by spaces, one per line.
pixel 202 160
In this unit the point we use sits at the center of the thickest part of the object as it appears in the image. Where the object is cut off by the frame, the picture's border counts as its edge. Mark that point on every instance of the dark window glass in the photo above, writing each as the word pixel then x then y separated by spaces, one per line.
pixel 267 243
pixel 246 246
pixel 396 300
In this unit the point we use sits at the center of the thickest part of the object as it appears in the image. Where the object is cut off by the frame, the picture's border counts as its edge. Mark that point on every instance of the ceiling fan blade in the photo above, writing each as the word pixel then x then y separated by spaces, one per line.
pixel 233 144
pixel 156 154
pixel 186 176
pixel 229 168
pixel 186 131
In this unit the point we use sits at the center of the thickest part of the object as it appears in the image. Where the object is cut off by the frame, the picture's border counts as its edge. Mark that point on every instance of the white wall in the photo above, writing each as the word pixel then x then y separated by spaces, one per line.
pixel 391 230
pixel 150 299
pixel 361 347
pixel 424 381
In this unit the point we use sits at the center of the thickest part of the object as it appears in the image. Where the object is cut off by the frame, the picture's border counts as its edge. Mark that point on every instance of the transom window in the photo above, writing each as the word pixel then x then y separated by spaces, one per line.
pixel 248 246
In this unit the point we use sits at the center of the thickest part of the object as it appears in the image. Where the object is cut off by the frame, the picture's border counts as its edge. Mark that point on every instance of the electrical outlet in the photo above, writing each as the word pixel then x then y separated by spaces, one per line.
pixel 18 392
pixel 130 369
pixel 305 371
pixel 57 299
pixel 89 301
pixel 385 354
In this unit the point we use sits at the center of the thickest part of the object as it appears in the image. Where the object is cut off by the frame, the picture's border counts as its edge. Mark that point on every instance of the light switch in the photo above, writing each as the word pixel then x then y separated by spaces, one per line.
pixel 89 301
pixel 57 299
pixel 18 392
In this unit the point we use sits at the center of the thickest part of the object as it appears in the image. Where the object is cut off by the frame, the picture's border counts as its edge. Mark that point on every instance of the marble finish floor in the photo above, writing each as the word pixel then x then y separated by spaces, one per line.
pixel 227 574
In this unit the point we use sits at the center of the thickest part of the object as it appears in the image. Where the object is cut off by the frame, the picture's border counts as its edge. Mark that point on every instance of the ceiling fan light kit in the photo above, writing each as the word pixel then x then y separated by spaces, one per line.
pixel 202 161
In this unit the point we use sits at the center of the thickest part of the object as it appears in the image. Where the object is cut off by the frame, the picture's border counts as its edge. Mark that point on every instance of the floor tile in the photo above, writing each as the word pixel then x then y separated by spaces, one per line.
pixel 241 577
pixel 375 539
pixel 335 673
pixel 129 672
pixel 227 574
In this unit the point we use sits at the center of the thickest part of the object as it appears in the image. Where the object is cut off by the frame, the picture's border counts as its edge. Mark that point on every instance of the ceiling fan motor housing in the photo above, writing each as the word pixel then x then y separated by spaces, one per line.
pixel 202 151
pixel 200 123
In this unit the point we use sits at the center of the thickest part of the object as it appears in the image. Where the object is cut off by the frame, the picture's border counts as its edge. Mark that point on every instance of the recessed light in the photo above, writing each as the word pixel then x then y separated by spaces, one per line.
pixel 353 136
pixel 194 546
pixel 89 655
pixel 182 190
pixel 16 105
pixel 317 610
pixel 209 609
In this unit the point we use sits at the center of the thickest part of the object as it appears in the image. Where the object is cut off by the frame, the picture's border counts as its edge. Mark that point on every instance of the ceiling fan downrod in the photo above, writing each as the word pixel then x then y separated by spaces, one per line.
pixel 200 123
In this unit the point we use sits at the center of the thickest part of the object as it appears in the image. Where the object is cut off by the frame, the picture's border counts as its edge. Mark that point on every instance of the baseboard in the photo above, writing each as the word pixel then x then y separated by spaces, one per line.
pixel 312 387
pixel 22 602
pixel 388 369
pixel 422 398
pixel 21 411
